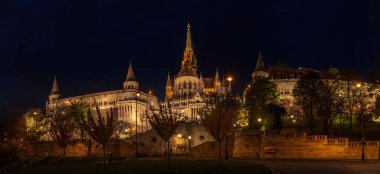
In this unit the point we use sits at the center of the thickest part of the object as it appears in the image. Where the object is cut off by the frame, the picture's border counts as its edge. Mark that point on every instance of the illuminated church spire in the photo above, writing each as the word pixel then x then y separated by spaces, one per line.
pixel 189 62
pixel 188 39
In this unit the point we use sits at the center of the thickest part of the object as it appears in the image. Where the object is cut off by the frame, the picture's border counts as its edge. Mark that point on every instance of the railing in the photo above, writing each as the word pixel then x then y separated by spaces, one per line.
pixel 366 144
pixel 296 135
pixel 337 141
pixel 316 138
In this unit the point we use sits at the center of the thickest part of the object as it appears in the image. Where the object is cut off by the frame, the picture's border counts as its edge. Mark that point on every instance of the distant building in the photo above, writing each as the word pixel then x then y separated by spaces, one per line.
pixel 286 79
pixel 188 90
pixel 129 101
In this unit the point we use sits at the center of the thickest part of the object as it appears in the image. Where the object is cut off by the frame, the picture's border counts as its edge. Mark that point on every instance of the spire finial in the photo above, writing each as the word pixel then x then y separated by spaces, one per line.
pixel 131 74
pixel 55 89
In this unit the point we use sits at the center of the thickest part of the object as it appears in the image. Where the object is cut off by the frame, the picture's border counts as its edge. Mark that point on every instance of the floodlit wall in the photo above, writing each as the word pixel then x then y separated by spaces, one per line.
pixel 301 145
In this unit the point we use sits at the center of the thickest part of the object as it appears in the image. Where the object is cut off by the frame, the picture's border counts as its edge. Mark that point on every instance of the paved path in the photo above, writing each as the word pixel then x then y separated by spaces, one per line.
pixel 321 167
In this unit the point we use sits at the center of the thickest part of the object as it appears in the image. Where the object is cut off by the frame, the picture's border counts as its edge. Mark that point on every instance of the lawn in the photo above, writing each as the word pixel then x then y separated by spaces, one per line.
pixel 154 166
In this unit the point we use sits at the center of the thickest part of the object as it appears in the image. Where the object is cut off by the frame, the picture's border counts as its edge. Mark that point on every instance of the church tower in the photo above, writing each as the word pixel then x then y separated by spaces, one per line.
pixel 55 92
pixel 130 82
pixel 169 88
pixel 259 72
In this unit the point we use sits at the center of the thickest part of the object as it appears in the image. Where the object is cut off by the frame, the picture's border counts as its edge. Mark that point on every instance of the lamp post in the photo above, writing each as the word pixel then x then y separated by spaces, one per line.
pixel 359 85
pixel 263 139
pixel 189 139
pixel 137 95
pixel 229 79
pixel 35 132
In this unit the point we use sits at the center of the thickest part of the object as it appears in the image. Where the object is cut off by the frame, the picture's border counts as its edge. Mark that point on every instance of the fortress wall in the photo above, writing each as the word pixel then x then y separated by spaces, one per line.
pixel 300 145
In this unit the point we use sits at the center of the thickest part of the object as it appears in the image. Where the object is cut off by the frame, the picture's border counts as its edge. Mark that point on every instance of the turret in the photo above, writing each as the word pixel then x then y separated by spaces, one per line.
pixel 55 93
pixel 130 82
pixel 259 72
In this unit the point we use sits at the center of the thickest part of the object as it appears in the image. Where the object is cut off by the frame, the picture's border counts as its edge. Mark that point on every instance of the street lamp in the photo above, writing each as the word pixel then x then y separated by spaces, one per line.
pixel 359 85
pixel 35 132
pixel 137 95
pixel 229 79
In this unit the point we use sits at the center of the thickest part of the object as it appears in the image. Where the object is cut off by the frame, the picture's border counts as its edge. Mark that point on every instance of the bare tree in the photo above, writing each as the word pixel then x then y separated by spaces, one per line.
pixel 305 93
pixel 217 121
pixel 100 128
pixel 62 125
pixel 165 123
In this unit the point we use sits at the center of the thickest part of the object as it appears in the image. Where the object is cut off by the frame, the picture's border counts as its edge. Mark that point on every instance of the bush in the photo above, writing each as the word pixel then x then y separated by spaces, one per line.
pixel 9 153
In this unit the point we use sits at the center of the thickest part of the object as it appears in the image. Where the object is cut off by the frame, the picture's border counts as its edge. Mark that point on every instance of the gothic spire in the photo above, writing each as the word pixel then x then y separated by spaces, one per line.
pixel 55 89
pixel 131 74
pixel 188 39
pixel 168 81
pixel 260 63
pixel 216 80
pixel 189 62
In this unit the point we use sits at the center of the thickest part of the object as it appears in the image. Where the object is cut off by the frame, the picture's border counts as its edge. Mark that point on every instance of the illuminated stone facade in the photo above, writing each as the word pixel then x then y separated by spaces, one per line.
pixel 188 90
pixel 286 79
pixel 125 100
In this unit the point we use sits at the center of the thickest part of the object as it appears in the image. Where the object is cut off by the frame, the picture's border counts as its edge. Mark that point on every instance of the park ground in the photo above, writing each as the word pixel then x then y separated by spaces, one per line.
pixel 293 166
pixel 150 166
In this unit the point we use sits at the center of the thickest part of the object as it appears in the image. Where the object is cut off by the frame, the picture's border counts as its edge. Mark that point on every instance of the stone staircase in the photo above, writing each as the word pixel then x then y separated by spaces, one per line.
pixel 26 163
pixel 37 159
pixel 9 167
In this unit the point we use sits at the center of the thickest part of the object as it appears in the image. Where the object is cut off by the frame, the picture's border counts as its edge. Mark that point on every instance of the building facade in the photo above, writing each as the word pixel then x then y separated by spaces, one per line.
pixel 286 79
pixel 131 103
pixel 187 91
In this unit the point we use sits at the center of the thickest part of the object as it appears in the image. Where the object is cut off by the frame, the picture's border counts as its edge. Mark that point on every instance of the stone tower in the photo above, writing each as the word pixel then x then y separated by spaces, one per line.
pixel 130 82
pixel 55 92
pixel 259 72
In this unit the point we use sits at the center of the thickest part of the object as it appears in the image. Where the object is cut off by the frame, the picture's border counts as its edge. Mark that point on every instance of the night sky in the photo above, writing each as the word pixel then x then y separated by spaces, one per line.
pixel 88 43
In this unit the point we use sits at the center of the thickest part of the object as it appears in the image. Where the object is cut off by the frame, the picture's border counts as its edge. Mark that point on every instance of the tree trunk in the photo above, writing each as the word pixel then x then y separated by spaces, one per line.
pixel 36 148
pixel 226 157
pixel 220 152
pixel 168 153
pixel 104 156
pixel 89 148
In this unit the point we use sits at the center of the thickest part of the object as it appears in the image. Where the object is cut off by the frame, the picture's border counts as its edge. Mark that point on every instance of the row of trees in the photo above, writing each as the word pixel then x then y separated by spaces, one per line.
pixel 331 98
pixel 324 99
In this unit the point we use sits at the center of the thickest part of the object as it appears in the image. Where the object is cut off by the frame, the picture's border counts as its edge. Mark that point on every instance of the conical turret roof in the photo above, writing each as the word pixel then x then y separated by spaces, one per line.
pixel 260 63
pixel 55 89
pixel 131 74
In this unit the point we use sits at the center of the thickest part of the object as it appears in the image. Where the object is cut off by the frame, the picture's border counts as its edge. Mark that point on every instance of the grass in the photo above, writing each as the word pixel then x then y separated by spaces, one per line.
pixel 154 166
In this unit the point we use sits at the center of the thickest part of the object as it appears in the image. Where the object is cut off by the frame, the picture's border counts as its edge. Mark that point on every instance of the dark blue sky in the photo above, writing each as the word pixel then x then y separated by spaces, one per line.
pixel 89 43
